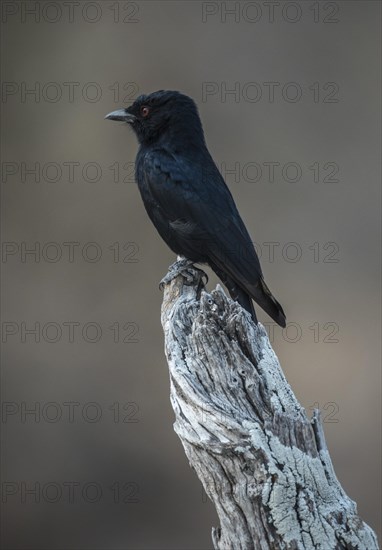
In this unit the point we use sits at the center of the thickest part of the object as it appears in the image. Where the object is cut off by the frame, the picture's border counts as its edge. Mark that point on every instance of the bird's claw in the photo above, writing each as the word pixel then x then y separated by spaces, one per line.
pixel 185 268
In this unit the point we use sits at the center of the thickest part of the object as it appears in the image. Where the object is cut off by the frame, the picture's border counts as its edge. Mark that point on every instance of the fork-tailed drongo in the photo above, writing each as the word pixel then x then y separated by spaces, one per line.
pixel 187 199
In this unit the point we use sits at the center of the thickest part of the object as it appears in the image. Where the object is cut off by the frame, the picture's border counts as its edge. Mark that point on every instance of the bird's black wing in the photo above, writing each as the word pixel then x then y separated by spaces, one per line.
pixel 193 202
pixel 197 203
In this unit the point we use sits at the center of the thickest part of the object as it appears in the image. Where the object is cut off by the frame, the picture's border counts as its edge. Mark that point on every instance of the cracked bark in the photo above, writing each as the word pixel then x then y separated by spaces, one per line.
pixel 261 460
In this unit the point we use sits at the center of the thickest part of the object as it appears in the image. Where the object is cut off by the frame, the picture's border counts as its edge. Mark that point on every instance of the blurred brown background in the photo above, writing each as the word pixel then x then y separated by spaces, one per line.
pixel 100 453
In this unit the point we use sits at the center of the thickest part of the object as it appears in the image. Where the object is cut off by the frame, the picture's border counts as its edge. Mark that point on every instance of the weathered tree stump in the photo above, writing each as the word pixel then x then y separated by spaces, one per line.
pixel 261 460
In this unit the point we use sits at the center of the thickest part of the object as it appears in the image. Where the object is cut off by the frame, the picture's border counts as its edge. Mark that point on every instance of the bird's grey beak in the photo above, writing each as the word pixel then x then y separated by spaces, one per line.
pixel 121 114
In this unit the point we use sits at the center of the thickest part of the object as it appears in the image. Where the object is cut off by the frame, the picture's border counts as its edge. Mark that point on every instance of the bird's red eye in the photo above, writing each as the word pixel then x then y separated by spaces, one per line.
pixel 145 111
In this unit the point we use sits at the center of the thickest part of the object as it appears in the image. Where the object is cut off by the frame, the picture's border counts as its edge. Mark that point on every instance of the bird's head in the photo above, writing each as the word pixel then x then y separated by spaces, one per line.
pixel 162 113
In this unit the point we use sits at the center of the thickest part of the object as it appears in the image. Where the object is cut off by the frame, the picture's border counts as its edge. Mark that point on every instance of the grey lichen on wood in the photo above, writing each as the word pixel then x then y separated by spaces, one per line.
pixel 261 460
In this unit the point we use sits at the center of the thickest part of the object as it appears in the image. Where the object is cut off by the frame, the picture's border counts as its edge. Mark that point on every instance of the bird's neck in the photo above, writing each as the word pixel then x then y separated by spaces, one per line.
pixel 182 140
pixel 185 134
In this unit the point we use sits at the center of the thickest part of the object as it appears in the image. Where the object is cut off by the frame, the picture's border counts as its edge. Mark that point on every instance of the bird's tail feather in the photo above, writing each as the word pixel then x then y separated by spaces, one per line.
pixel 260 293
pixel 263 296
pixel 236 292
pixel 245 301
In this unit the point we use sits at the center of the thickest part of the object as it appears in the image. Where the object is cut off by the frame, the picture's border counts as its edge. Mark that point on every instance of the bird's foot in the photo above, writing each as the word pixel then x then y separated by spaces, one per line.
pixel 187 269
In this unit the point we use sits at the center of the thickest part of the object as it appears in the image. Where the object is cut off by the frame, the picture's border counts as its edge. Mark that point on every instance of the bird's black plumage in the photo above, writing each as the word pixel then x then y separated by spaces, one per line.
pixel 187 199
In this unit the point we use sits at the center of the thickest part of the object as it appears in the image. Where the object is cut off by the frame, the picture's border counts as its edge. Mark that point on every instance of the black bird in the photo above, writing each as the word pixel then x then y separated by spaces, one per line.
pixel 188 200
